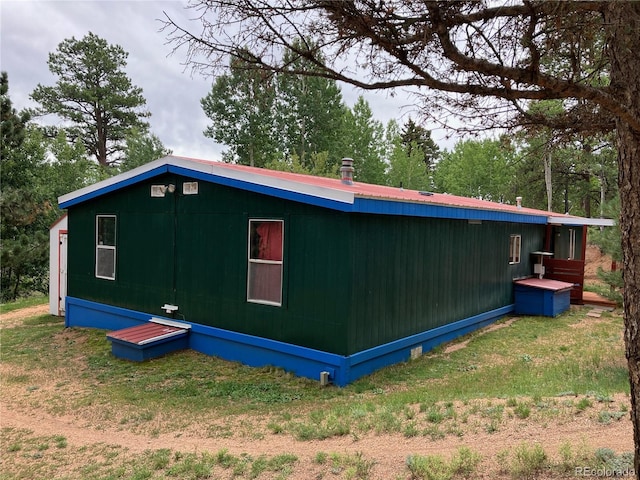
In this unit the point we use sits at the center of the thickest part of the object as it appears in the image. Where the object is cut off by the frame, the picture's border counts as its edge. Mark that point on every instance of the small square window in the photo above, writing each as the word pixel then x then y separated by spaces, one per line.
pixel 158 190
pixel 514 249
pixel 190 188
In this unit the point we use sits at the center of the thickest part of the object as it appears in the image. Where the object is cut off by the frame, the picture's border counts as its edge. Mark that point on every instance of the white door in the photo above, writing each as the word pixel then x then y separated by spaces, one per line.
pixel 62 275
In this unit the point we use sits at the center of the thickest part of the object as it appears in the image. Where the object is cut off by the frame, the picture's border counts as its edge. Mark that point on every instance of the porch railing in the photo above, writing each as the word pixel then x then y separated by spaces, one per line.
pixel 570 271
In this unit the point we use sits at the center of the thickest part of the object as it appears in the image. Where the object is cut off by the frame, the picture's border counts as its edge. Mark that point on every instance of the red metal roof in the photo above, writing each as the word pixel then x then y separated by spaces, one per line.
pixel 146 333
pixel 366 190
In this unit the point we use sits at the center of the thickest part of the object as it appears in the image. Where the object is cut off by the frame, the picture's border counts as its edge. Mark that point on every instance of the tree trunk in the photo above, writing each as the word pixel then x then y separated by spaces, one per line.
pixel 547 180
pixel 101 137
pixel 623 20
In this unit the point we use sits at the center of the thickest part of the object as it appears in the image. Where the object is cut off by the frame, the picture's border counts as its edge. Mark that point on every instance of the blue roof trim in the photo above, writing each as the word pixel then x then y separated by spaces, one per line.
pixel 389 207
pixel 263 189
pixel 116 186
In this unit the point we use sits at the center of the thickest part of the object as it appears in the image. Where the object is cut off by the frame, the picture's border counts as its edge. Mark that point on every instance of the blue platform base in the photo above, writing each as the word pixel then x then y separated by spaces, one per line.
pixel 536 301
pixel 257 351
pixel 140 353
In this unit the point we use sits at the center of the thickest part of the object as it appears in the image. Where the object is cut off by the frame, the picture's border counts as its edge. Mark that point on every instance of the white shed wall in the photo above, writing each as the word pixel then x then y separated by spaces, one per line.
pixel 56 306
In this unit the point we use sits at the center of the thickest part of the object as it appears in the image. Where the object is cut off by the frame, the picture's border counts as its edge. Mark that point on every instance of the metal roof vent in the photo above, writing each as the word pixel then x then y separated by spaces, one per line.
pixel 346 171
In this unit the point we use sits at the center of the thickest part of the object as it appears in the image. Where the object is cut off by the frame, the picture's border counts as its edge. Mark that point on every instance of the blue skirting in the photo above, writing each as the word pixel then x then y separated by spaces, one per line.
pixel 257 351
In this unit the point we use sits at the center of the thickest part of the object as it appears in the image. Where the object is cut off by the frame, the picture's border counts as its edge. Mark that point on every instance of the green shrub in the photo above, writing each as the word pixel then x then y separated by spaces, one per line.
pixel 583 404
pixel 572 458
pixel 524 462
pixel 522 410
pixel 429 467
pixel 464 462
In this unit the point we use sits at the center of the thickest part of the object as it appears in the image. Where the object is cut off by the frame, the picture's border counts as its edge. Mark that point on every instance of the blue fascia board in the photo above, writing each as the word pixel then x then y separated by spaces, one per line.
pixel 116 186
pixel 390 207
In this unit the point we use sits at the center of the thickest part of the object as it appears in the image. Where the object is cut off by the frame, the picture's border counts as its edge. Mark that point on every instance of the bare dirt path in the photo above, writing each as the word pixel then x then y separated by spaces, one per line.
pixel 14 318
pixel 388 451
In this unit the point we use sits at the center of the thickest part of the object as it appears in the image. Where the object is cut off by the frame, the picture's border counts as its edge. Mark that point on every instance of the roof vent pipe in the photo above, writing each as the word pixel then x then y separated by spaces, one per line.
pixel 519 202
pixel 346 171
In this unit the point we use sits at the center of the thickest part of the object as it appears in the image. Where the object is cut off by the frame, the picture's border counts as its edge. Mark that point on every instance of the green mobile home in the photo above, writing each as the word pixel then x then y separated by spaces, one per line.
pixel 327 278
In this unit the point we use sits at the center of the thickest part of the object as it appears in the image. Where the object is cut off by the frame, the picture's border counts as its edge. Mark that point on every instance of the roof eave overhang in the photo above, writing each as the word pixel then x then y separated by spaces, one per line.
pixel 580 221
pixel 322 196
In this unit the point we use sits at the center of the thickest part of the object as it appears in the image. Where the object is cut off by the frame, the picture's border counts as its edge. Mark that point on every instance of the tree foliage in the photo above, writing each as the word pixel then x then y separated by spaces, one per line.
pixel 36 170
pixel 318 164
pixel 365 144
pixel 241 106
pixel 407 165
pixel 310 114
pixel 483 169
pixel 267 119
pixel 12 123
pixel 142 148
pixel 24 208
pixel 93 94
pixel 416 136
pixel 608 239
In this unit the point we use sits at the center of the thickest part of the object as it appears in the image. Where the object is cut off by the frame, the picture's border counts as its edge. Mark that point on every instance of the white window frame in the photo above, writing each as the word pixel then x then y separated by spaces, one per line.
pixel 190 188
pixel 515 249
pixel 257 261
pixel 572 244
pixel 103 247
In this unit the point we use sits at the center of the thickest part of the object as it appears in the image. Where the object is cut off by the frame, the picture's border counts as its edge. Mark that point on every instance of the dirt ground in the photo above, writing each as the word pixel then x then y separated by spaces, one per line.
pixel 13 319
pixel 595 259
pixel 388 451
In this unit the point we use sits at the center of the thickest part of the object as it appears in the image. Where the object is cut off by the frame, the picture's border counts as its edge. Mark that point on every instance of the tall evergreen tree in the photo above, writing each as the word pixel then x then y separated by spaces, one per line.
pixel 12 123
pixel 406 166
pixel 94 93
pixel 415 136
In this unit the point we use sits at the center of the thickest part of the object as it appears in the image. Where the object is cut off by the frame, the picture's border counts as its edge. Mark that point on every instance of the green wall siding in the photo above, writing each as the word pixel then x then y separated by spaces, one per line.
pixel 192 251
pixel 414 274
pixel 351 281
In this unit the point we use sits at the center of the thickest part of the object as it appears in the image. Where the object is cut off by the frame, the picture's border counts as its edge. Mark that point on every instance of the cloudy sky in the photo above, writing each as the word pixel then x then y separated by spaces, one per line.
pixel 30 30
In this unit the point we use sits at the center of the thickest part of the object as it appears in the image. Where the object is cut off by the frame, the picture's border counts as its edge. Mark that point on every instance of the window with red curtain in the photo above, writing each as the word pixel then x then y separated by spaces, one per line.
pixel 264 278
